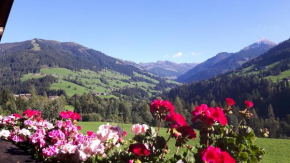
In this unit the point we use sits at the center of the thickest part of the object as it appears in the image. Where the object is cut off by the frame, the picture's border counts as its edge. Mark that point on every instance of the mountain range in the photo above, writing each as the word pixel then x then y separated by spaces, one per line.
pixel 167 69
pixel 225 62
pixel 31 57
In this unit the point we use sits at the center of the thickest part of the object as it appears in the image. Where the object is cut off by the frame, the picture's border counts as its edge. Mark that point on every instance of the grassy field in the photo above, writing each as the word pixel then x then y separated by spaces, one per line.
pixel 277 150
pixel 69 107
pixel 284 74
pixel 70 88
pixel 30 76
pixel 88 81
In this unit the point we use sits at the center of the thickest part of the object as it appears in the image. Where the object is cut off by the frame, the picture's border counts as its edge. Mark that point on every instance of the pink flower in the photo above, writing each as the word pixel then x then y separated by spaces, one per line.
pixel 82 155
pixel 144 128
pixel 97 147
pixel 125 133
pixel 108 132
pixel 49 151
pixel 230 101
pixel 249 104
pixel 139 129
pixel 136 129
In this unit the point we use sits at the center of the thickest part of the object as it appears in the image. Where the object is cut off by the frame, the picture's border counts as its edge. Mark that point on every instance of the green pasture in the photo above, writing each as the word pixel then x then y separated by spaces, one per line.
pixel 90 80
pixel 284 74
pixel 69 88
pixel 30 76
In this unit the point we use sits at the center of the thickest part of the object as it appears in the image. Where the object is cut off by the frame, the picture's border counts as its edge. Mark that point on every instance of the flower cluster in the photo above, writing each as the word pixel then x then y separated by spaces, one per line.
pixel 33 114
pixel 161 108
pixel 215 155
pixel 209 115
pixel 61 141
pixel 69 115
pixel 138 129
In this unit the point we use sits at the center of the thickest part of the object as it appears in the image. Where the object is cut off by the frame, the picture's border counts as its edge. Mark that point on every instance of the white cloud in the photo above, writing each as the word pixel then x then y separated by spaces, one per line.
pixel 179 54
pixel 166 56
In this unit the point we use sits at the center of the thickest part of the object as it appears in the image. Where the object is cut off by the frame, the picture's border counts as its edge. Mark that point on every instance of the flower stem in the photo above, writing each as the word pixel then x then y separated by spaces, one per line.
pixel 163 151
pixel 177 149
pixel 207 141
pixel 238 126
pixel 159 126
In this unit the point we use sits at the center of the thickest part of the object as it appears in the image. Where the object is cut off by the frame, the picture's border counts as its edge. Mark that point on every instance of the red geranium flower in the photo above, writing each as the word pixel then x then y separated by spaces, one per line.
pixel 249 104
pixel 175 120
pixel 17 115
pixel 215 155
pixel 219 115
pixel 79 127
pixel 139 149
pixel 209 115
pixel 69 114
pixel 161 108
pixel 230 101
pixel 186 131
pixel 90 133
pixel 35 114
pixel 75 116
pixel 155 105
pixel 168 106
pixel 63 115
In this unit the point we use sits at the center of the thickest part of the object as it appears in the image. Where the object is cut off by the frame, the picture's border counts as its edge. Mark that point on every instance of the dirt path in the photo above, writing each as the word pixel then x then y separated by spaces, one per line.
pixel 9 153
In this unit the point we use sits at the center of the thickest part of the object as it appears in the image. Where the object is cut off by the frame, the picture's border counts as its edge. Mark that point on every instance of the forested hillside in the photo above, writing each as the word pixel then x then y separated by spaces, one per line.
pixel 230 62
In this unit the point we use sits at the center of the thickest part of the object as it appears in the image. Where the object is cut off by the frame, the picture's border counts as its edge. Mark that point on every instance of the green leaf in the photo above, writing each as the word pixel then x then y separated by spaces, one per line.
pixel 253 159
pixel 189 157
pixel 244 156
pixel 241 147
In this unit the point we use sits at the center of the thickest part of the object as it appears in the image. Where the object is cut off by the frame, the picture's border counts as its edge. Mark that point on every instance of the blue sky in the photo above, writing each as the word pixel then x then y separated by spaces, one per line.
pixel 151 30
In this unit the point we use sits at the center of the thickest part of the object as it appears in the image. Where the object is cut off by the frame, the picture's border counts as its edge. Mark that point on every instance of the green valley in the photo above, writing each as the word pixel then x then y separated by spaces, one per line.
pixel 103 82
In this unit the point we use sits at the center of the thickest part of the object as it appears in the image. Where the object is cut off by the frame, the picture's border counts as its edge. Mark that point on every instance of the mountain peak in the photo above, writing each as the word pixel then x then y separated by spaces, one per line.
pixel 261 42
pixel 265 41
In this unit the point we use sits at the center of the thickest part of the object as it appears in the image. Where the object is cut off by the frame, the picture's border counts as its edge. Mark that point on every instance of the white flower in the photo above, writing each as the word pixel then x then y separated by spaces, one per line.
pixel 82 155
pixel 97 147
pixel 25 132
pixel 4 133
